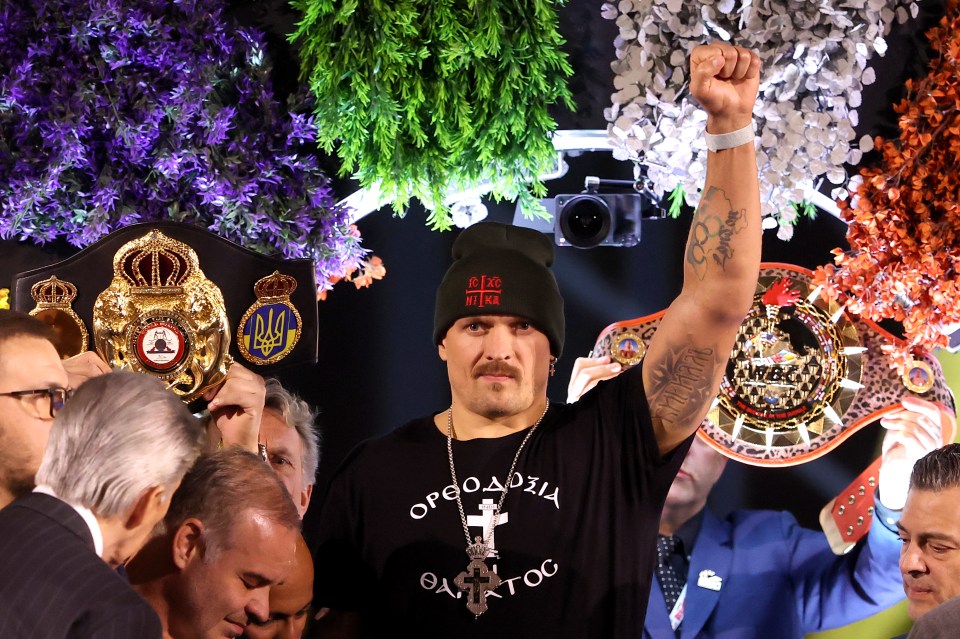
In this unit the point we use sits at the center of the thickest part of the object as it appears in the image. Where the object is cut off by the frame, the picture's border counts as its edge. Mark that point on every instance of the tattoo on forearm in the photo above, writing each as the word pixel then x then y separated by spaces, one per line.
pixel 681 385
pixel 710 223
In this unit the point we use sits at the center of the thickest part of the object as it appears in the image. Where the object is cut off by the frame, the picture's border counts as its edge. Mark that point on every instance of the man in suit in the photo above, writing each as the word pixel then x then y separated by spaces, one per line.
pixel 116 452
pixel 930 532
pixel 943 622
pixel 228 538
pixel 758 573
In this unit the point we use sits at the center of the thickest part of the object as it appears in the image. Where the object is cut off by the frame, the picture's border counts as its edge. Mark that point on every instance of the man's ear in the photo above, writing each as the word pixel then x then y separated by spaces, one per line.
pixel 146 507
pixel 305 493
pixel 187 542
pixel 442 351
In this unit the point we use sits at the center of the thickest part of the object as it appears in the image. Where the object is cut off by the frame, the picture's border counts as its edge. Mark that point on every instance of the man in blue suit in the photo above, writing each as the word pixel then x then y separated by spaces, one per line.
pixel 759 573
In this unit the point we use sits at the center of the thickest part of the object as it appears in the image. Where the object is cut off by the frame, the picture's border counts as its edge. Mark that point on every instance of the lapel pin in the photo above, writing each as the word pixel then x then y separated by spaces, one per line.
pixel 709 580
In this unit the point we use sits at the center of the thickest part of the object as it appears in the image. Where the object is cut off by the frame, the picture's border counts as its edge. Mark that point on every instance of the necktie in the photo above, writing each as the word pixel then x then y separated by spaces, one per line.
pixel 671 583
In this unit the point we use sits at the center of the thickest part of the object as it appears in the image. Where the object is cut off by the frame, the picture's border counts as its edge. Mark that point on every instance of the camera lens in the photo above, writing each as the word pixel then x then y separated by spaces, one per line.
pixel 585 221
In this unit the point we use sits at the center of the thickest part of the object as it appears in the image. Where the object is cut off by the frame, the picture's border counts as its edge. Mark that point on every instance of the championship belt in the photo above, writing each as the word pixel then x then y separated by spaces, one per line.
pixel 162 316
pixel 177 302
pixel 802 377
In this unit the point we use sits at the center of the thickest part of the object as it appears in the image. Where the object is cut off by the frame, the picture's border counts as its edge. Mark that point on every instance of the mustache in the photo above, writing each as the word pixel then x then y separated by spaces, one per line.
pixel 496 368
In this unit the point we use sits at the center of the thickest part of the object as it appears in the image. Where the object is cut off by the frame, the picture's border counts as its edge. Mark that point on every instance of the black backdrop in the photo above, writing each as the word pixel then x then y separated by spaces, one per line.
pixel 377 366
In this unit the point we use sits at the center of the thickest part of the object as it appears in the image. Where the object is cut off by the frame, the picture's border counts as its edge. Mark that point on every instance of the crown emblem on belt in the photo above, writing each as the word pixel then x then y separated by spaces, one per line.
pixel 53 293
pixel 156 264
pixel 271 326
pixel 276 285
pixel 54 298
pixel 162 316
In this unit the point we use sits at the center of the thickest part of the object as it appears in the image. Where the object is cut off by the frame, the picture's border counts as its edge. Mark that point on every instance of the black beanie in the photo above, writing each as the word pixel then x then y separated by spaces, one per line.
pixel 499 269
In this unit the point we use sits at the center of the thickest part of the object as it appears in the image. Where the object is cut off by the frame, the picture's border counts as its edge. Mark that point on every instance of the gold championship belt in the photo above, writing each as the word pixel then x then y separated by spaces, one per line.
pixel 162 316
pixel 177 302
pixel 803 375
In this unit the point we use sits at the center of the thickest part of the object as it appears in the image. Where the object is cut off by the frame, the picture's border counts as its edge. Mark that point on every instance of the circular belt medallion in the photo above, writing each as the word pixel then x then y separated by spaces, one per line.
pixel 161 343
pixel 628 350
pixel 162 316
pixel 793 373
pixel 918 376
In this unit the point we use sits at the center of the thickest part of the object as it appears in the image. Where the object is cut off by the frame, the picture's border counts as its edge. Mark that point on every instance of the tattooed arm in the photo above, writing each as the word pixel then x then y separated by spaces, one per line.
pixel 687 355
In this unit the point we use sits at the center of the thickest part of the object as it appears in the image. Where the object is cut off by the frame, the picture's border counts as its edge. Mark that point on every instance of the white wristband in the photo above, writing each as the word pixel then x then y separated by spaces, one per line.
pixel 722 141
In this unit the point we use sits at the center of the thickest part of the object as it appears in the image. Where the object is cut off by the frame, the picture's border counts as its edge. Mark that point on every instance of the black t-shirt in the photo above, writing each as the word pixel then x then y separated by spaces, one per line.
pixel 576 538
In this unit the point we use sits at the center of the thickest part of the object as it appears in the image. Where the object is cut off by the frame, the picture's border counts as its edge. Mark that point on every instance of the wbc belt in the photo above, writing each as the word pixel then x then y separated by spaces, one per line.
pixel 803 376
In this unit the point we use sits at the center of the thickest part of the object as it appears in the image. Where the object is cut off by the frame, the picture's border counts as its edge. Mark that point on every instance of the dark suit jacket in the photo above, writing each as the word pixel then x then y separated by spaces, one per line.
pixel 943 622
pixel 772 579
pixel 53 584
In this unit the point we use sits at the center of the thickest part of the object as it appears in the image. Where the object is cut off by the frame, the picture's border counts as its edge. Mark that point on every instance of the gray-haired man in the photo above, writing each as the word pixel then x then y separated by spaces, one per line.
pixel 293 446
pixel 114 456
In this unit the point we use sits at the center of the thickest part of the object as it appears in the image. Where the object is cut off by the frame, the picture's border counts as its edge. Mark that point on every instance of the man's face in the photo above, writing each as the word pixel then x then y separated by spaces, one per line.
pixel 289 602
pixel 285 452
pixel 26 363
pixel 700 471
pixel 930 555
pixel 498 365
pixel 221 593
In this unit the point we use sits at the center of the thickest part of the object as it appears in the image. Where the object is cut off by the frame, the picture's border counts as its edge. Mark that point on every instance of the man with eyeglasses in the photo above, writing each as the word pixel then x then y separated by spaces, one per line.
pixel 35 383
pixel 33 387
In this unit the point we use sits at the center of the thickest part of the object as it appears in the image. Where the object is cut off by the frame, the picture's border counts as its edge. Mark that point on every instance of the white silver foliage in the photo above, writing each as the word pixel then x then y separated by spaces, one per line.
pixel 815 56
pixel 468 211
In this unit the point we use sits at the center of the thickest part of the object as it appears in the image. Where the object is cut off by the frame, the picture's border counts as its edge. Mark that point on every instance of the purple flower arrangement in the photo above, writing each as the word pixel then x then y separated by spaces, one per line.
pixel 115 112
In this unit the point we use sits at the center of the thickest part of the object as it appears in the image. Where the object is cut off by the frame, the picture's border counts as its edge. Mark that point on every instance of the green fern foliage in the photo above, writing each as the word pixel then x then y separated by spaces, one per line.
pixel 807 209
pixel 677 199
pixel 422 98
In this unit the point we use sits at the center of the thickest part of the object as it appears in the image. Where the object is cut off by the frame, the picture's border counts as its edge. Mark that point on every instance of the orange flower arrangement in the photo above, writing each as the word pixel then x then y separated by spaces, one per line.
pixel 370 270
pixel 904 220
